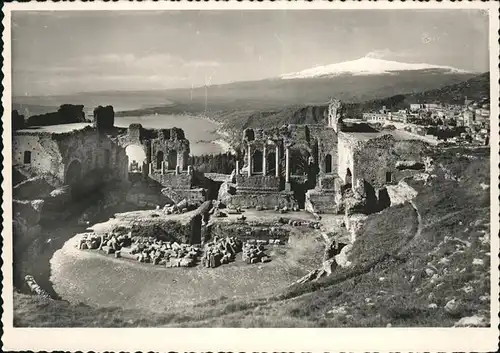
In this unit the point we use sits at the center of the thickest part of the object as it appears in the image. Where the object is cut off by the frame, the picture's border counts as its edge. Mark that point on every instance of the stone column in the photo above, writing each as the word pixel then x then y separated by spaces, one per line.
pixel 249 161
pixel 177 170
pixel 162 167
pixel 264 161
pixel 237 167
pixel 150 168
pixel 277 161
pixel 166 165
pixel 190 169
pixel 287 165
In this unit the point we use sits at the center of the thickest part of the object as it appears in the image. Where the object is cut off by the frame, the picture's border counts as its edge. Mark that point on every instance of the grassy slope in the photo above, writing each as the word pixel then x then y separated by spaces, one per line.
pixel 376 291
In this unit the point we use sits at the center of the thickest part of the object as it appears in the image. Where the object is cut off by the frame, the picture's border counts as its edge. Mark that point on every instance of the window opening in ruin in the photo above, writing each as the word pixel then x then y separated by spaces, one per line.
pixel 27 157
pixel 249 135
pixel 348 177
pixel 328 163
pixel 299 162
pixel 172 159
pixel 388 177
pixel 136 157
pixel 271 162
pixel 257 161
pixel 159 159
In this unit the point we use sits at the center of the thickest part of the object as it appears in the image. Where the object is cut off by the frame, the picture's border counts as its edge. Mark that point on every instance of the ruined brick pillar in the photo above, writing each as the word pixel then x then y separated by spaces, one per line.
pixel 287 165
pixel 277 161
pixel 190 169
pixel 249 161
pixel 264 164
pixel 177 170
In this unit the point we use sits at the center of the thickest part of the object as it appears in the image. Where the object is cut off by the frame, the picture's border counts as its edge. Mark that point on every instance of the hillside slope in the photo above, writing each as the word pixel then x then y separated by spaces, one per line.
pixel 275 94
pixel 474 88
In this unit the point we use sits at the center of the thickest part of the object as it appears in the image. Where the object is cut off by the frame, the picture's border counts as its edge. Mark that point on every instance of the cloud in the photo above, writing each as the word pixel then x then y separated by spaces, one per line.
pixel 151 61
pixel 112 70
pixel 390 54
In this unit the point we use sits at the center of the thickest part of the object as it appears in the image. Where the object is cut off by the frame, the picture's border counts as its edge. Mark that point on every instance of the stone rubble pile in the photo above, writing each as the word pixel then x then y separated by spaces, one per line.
pixel 142 249
pixel 220 251
pixel 298 223
pixel 255 252
pixel 164 253
pixel 109 243
pixel 181 207
pixel 266 241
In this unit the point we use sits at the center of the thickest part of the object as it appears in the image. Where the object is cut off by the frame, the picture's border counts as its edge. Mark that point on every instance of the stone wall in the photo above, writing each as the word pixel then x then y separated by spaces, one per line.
pixel 92 157
pixel 257 182
pixel 173 180
pixel 267 200
pixel 169 146
pixel 193 196
pixel 104 118
pixel 345 162
pixel 66 114
pixel 321 202
pixel 43 150
pixel 374 159
pixel 250 231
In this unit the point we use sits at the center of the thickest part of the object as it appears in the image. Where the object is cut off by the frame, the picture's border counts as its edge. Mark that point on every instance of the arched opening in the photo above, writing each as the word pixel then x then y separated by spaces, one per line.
pixel 249 135
pixel 159 159
pixel 172 159
pixel 388 177
pixel 136 158
pixel 328 163
pixel 257 162
pixel 27 157
pixel 348 177
pixel 73 173
pixel 271 163
pixel 299 162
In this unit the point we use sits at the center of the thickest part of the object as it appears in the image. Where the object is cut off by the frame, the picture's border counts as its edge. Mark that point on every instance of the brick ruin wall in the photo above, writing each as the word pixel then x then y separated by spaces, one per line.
pixel 160 145
pixel 44 153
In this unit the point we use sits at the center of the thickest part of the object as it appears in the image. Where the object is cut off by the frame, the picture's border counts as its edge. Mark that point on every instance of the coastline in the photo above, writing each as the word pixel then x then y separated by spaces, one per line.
pixel 223 140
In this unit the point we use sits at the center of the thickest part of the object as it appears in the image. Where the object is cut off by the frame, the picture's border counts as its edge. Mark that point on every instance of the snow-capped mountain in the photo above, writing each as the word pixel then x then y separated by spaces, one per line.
pixel 366 66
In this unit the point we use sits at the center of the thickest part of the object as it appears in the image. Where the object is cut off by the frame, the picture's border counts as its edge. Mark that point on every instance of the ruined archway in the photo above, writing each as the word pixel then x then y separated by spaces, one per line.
pixel 257 162
pixel 172 159
pixel 249 135
pixel 299 161
pixel 73 173
pixel 271 163
pixel 136 157
pixel 348 177
pixel 328 163
pixel 159 159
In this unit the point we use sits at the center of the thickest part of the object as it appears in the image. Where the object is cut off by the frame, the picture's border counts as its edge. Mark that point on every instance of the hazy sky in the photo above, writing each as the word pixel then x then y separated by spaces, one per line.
pixel 65 52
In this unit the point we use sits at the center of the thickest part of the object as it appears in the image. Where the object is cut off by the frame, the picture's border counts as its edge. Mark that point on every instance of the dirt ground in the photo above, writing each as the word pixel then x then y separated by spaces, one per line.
pixel 99 280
